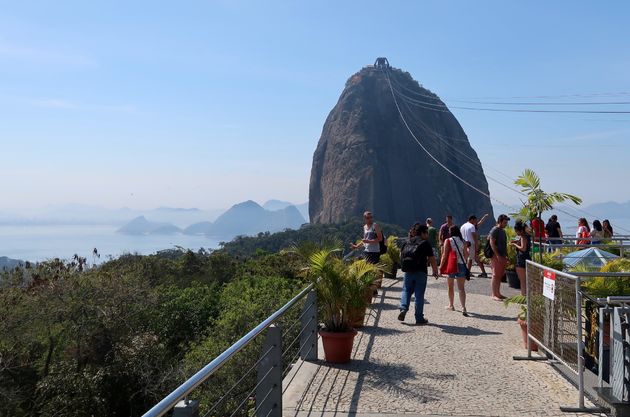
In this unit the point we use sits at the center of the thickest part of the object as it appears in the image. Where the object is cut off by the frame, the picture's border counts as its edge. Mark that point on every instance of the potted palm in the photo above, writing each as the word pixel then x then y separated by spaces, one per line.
pixel 391 259
pixel 360 277
pixel 539 201
pixel 338 287
pixel 521 319
pixel 510 268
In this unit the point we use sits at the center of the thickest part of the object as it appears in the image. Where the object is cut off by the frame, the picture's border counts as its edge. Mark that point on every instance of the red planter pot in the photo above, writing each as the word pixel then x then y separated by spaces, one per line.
pixel 523 325
pixel 337 346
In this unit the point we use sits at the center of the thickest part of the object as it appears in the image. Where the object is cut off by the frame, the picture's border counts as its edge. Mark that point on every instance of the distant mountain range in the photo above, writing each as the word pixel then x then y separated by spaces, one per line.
pixel 8 263
pixel 247 218
pixel 94 215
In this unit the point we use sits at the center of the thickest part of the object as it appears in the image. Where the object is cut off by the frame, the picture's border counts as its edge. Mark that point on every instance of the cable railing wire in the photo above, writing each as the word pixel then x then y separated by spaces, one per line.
pixel 251 392
pixel 299 367
pixel 251 368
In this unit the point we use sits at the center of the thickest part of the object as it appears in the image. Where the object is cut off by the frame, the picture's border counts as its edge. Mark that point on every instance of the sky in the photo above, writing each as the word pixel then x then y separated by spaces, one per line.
pixel 205 104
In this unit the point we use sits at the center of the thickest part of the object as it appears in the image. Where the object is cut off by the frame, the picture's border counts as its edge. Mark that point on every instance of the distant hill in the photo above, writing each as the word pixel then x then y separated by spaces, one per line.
pixel 249 218
pixel 610 209
pixel 273 205
pixel 8 263
pixel 303 209
pixel 141 226
pixel 88 215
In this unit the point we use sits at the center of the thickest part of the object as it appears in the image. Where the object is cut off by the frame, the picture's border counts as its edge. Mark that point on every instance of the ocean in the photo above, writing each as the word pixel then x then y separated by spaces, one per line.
pixel 38 243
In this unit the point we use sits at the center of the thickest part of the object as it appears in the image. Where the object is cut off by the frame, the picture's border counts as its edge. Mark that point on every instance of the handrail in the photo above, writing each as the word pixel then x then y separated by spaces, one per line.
pixel 202 375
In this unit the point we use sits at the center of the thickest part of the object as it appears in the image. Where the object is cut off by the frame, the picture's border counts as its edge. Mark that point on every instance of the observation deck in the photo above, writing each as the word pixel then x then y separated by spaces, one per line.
pixel 454 366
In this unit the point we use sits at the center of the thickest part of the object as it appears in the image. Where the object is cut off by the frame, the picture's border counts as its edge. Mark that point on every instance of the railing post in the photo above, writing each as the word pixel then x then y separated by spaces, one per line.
pixel 580 344
pixel 269 391
pixel 308 338
pixel 186 408
pixel 600 354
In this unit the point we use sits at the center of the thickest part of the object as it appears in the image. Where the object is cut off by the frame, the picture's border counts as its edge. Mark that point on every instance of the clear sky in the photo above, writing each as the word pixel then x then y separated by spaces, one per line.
pixel 205 104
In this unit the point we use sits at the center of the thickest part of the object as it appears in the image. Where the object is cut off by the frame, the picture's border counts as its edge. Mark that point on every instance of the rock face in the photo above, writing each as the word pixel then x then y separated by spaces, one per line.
pixel 366 159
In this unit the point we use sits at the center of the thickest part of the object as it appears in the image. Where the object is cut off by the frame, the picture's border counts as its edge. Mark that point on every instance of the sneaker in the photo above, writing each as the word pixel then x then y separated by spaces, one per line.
pixel 401 316
pixel 483 275
pixel 422 322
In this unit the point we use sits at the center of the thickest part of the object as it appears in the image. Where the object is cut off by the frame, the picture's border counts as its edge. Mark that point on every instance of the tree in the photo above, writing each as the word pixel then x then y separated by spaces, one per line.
pixel 538 200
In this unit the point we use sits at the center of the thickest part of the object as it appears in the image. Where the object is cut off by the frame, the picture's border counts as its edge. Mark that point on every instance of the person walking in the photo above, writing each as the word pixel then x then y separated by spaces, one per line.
pixel 470 236
pixel 453 264
pixel 498 243
pixel 608 229
pixel 372 236
pixel 597 233
pixel 523 252
pixel 554 231
pixel 444 229
pixel 415 254
pixel 433 238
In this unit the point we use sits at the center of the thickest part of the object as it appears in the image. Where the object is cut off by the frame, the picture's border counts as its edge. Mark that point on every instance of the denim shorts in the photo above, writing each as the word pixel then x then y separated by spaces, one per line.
pixel 461 273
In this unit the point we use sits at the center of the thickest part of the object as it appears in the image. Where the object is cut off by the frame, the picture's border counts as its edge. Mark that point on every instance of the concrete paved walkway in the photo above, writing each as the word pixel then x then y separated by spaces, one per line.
pixel 455 366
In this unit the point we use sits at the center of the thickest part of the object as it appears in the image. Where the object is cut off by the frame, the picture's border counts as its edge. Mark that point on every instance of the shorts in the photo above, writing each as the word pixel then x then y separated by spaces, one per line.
pixel 461 272
pixel 472 251
pixel 372 257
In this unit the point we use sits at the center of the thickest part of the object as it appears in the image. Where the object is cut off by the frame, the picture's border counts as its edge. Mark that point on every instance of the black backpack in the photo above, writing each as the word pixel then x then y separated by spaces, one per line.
pixel 487 250
pixel 408 256
pixel 382 247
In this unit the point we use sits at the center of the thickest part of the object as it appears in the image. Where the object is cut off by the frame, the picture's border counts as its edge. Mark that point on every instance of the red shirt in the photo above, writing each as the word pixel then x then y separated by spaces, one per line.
pixel 538 227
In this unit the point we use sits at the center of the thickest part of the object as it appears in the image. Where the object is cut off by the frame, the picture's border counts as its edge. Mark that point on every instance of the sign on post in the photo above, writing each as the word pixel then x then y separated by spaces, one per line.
pixel 549 284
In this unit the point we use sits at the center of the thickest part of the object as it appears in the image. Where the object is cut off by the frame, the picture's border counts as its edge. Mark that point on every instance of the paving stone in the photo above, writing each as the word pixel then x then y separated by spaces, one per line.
pixel 455 366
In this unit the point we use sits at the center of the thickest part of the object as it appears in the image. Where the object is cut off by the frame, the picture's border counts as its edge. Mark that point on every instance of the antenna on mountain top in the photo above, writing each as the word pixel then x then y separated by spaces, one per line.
pixel 381 62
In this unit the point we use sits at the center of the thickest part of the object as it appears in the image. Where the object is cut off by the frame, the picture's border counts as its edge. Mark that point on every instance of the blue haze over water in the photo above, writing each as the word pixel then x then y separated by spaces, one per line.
pixel 37 243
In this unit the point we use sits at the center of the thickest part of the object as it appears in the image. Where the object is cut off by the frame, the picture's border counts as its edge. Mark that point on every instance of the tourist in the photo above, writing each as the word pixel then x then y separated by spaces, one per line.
pixel 608 229
pixel 444 229
pixel 471 237
pixel 583 233
pixel 554 231
pixel 415 254
pixel 597 233
pixel 523 248
pixel 538 228
pixel 498 243
pixel 433 237
pixel 453 264
pixel 372 235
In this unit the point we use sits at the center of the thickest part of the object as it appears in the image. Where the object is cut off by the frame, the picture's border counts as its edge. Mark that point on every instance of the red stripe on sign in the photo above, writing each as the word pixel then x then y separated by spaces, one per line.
pixel 550 275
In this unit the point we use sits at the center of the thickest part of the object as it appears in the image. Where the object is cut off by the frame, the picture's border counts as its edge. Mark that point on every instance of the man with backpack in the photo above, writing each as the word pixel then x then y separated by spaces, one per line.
pixel 415 254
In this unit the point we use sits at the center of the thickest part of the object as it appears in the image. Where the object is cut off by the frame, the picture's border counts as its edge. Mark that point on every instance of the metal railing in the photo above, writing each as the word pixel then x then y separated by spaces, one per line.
pixel 558 320
pixel 554 321
pixel 265 399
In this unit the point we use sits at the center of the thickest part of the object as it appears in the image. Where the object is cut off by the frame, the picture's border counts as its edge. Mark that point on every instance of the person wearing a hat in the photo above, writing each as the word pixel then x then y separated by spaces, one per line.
pixel 498 242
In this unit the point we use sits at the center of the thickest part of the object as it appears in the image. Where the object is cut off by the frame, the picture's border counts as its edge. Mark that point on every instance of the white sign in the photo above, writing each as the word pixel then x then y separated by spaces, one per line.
pixel 549 284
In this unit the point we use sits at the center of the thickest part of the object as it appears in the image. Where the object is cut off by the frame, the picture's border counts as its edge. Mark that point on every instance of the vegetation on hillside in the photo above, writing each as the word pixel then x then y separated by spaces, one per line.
pixel 247 247
pixel 113 340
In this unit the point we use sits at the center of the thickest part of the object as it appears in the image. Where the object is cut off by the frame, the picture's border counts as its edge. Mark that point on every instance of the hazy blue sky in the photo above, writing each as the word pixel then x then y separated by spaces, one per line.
pixel 204 104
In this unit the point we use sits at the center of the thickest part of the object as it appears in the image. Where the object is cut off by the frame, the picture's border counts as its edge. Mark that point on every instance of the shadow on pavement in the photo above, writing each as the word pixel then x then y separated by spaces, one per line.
pixel 492 317
pixel 463 331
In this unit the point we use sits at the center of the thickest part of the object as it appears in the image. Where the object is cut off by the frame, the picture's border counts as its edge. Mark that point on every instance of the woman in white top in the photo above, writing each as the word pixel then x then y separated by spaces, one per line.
pixel 453 264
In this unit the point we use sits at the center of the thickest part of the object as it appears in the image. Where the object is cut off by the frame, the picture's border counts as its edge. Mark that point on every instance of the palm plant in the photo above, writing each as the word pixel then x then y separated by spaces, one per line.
pixel 539 201
pixel 359 276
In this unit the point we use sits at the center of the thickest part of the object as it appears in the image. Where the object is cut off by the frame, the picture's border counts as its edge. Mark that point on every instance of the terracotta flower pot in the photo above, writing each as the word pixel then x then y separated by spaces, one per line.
pixel 523 325
pixel 337 346
pixel 369 293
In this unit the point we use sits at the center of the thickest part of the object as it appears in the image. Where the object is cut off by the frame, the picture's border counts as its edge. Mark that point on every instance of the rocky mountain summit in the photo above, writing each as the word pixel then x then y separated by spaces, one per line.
pixel 366 158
